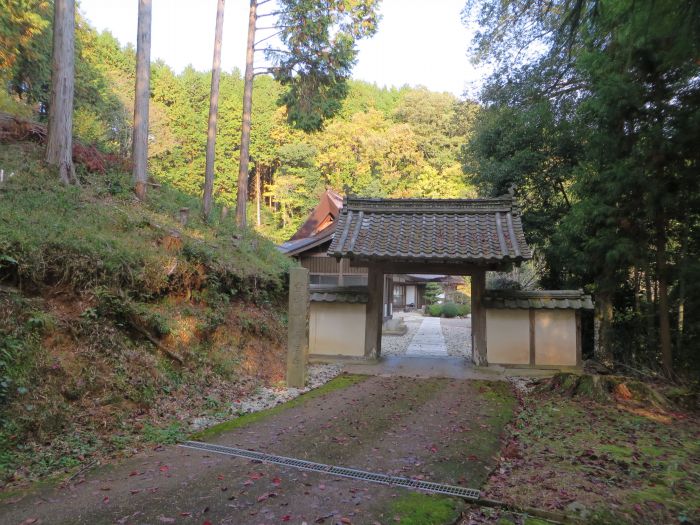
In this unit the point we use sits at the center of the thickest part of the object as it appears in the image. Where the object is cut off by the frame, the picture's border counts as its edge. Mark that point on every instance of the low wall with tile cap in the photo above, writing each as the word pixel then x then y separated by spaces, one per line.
pixel 532 337
pixel 337 329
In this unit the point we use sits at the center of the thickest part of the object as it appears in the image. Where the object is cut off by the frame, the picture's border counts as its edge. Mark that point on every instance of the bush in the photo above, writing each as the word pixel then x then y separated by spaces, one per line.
pixel 432 290
pixel 464 309
pixel 450 310
pixel 435 310
pixel 459 297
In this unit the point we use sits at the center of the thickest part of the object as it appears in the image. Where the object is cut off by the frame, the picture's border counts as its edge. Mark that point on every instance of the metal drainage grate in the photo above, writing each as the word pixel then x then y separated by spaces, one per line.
pixel 426 486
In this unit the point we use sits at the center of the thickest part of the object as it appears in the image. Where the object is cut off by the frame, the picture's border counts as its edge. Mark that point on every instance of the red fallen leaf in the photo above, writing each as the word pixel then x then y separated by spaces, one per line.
pixel 134 473
pixel 185 514
pixel 105 500
pixel 263 497
pixel 433 448
pixel 164 468
pixel 276 481
pixel 286 517
pixel 321 487
pixel 29 521
pixel 472 457
pixel 207 523
pixel 346 521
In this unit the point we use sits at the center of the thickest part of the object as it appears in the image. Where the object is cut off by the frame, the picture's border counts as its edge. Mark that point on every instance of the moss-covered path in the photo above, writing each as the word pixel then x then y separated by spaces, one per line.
pixel 437 429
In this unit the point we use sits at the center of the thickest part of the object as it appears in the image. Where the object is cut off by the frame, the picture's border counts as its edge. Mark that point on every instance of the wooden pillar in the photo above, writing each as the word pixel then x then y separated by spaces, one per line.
pixel 298 327
pixel 373 312
pixel 579 345
pixel 478 318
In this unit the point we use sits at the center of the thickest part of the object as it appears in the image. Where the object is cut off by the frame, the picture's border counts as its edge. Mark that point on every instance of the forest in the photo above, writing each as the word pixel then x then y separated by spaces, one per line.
pixel 591 115
pixel 392 142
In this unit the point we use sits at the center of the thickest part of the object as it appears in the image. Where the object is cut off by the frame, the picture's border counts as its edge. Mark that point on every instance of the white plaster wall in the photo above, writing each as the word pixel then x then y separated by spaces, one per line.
pixel 555 337
pixel 508 337
pixel 337 329
pixel 411 294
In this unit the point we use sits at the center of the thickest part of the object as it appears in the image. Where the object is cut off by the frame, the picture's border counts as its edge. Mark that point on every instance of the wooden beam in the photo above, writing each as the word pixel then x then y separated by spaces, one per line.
pixel 579 350
pixel 373 312
pixel 430 268
pixel 479 318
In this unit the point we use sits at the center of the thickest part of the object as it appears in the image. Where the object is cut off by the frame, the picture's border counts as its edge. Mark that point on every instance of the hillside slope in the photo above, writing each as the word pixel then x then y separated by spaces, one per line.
pixel 119 325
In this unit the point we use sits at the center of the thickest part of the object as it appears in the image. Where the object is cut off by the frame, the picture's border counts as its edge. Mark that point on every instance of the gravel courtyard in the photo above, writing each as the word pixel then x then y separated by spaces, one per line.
pixel 457 334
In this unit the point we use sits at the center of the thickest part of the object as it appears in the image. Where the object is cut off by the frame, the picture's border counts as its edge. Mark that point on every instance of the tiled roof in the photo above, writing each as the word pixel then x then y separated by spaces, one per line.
pixel 321 217
pixel 547 299
pixel 297 246
pixel 430 230
pixel 339 294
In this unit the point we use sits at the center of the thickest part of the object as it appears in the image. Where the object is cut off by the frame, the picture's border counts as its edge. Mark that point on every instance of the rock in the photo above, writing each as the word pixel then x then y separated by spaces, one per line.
pixel 578 509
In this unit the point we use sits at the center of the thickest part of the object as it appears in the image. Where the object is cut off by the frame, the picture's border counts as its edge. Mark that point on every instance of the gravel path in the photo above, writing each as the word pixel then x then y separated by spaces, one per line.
pixel 398 344
pixel 267 397
pixel 458 337
pixel 457 334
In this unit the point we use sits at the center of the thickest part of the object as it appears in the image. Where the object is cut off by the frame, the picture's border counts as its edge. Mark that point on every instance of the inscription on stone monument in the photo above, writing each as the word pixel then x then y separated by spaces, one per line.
pixel 298 327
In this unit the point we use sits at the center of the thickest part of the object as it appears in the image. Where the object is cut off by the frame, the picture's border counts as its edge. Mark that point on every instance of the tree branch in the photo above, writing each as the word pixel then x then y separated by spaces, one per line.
pixel 267 38
pixel 273 13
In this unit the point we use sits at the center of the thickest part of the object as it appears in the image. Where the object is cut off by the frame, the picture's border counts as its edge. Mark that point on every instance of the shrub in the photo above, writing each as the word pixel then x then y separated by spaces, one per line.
pixel 459 297
pixel 464 309
pixel 450 310
pixel 435 310
pixel 432 291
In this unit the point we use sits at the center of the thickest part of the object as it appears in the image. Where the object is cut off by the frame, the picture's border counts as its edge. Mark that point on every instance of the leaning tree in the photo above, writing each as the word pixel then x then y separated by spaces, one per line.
pixel 213 112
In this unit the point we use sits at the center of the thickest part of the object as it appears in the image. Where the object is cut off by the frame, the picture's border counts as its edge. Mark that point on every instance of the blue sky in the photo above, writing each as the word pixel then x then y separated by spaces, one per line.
pixel 419 42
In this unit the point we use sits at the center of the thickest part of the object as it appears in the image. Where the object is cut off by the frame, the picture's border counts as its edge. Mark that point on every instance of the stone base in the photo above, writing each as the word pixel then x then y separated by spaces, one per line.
pixel 340 359
pixel 399 331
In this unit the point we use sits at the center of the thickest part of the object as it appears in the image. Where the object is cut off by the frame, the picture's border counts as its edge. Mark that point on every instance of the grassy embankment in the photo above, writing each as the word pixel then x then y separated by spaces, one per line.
pixel 118 325
pixel 619 460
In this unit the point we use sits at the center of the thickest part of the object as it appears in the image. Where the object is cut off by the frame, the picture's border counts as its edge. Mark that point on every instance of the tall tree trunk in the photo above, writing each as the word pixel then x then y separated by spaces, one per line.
pixel 603 325
pixel 650 307
pixel 664 318
pixel 242 197
pixel 59 148
pixel 683 259
pixel 213 112
pixel 139 146
pixel 258 187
